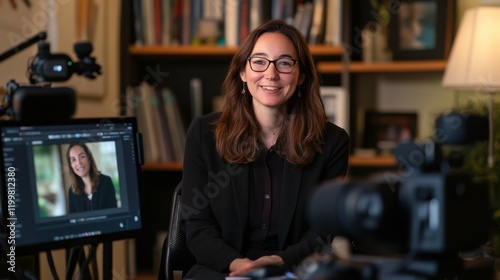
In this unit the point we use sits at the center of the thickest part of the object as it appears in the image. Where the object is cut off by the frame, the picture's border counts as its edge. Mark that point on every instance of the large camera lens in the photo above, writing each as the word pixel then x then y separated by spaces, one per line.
pixel 359 210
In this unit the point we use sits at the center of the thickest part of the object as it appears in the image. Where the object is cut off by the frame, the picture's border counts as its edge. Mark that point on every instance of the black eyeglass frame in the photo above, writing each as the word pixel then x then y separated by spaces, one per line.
pixel 273 62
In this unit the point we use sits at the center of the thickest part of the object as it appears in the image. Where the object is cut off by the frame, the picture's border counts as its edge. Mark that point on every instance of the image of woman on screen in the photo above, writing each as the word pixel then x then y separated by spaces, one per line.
pixel 90 189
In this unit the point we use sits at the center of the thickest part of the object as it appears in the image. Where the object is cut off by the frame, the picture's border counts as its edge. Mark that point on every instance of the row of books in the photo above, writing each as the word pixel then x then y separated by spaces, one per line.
pixel 159 120
pixel 228 22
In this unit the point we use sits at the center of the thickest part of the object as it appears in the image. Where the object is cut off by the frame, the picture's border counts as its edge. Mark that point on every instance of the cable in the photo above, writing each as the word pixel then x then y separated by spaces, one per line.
pixel 84 266
pixel 52 267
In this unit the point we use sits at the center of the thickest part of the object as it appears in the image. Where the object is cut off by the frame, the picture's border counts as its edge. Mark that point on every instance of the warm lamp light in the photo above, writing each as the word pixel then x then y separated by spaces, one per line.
pixel 474 62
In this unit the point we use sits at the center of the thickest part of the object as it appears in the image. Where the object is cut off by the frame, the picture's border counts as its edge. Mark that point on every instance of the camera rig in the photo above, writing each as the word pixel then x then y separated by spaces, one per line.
pixel 30 101
pixel 422 217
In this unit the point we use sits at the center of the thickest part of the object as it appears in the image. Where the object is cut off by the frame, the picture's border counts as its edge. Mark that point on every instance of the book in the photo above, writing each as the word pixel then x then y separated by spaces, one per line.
pixel 147 103
pixel 177 23
pixel 167 21
pixel 333 28
pixel 244 20
pixel 186 23
pixel 138 22
pixel 256 14
pixel 195 18
pixel 289 11
pixel 164 134
pixel 231 23
pixel 148 21
pixel 318 23
pixel 305 19
pixel 158 21
pixel 176 128
pixel 196 95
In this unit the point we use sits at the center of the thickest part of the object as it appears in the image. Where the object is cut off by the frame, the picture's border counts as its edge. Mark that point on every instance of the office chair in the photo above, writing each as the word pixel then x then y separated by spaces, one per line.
pixel 175 255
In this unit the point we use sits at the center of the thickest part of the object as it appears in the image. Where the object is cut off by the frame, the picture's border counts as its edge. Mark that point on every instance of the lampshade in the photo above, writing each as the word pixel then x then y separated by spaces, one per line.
pixel 474 62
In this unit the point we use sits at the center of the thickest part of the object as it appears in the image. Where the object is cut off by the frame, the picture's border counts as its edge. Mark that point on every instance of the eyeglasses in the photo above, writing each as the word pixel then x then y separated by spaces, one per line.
pixel 282 65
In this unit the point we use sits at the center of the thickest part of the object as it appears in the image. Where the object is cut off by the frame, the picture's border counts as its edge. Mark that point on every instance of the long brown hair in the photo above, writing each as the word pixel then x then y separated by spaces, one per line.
pixel 77 184
pixel 237 130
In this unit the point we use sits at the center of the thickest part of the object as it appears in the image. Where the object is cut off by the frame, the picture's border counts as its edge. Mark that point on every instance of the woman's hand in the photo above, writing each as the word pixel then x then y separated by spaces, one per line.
pixel 243 266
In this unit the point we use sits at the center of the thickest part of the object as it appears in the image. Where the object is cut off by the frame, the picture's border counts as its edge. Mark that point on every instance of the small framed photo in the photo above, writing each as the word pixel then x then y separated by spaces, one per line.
pixel 385 130
pixel 422 29
pixel 336 105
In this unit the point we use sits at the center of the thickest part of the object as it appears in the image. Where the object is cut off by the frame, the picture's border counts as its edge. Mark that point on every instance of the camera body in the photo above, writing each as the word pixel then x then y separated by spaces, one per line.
pixel 49 67
pixel 31 101
pixel 426 213
pixel 52 67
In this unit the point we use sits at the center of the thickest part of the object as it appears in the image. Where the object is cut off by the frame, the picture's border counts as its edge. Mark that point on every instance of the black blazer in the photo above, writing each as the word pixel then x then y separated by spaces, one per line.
pixel 215 198
pixel 104 197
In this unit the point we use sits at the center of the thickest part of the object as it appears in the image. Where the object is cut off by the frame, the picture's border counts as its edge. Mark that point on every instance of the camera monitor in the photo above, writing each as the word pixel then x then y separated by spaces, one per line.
pixel 69 183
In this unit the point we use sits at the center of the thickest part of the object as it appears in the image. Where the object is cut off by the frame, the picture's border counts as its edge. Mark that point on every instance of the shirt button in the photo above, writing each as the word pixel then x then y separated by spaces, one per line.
pixel 267 196
pixel 264 226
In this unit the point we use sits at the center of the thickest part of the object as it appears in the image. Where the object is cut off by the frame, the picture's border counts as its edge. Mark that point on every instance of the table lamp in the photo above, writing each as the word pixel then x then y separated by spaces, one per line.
pixel 474 62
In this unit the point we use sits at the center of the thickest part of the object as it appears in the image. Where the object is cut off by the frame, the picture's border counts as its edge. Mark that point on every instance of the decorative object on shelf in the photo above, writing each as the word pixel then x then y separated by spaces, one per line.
pixel 336 105
pixel 374 35
pixel 473 65
pixel 383 131
pixel 375 47
pixel 422 29
pixel 209 32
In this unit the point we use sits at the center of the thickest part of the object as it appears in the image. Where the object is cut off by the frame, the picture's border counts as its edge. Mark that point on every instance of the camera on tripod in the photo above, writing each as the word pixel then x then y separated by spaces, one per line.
pixel 422 219
pixel 30 101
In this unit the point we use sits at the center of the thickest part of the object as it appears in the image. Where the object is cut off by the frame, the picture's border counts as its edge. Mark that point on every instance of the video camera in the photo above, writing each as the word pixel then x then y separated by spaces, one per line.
pixel 32 100
pixel 425 215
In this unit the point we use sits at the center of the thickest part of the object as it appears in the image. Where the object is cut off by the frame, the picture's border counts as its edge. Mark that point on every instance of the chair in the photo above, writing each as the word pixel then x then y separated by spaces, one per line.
pixel 175 255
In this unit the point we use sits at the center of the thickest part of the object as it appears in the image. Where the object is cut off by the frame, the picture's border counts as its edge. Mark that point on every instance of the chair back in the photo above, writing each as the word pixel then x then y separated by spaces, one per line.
pixel 175 254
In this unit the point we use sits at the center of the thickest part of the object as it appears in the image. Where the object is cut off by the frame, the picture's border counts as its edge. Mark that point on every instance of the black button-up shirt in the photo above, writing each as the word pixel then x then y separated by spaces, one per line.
pixel 265 189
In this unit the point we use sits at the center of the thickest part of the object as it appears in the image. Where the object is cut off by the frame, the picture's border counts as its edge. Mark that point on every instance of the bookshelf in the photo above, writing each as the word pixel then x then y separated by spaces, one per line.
pixel 182 62
pixel 379 161
pixel 162 166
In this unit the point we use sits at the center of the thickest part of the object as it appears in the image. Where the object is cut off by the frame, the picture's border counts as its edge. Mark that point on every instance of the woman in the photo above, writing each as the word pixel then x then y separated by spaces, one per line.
pixel 249 170
pixel 90 189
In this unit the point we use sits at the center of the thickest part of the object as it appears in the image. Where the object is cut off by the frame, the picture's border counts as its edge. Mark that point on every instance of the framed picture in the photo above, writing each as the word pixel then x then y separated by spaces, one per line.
pixel 385 130
pixel 422 29
pixel 336 105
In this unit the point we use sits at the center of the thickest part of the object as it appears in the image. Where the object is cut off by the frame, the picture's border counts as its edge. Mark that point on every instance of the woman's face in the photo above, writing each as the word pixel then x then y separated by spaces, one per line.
pixel 79 161
pixel 271 88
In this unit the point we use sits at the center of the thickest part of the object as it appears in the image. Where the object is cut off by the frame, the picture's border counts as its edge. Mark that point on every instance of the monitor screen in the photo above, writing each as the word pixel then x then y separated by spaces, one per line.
pixel 69 183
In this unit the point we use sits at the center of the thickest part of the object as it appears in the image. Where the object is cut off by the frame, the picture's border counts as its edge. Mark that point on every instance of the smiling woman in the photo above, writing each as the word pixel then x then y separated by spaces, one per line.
pixel 249 169
pixel 90 189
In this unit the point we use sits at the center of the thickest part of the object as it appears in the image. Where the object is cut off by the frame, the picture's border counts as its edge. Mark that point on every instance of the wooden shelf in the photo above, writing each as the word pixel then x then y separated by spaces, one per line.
pixel 384 67
pixel 355 161
pixel 378 161
pixel 162 166
pixel 326 50
pixel 215 50
pixel 181 50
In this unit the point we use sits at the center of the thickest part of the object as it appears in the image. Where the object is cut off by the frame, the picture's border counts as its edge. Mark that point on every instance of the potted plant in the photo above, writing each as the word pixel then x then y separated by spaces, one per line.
pixel 476 163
